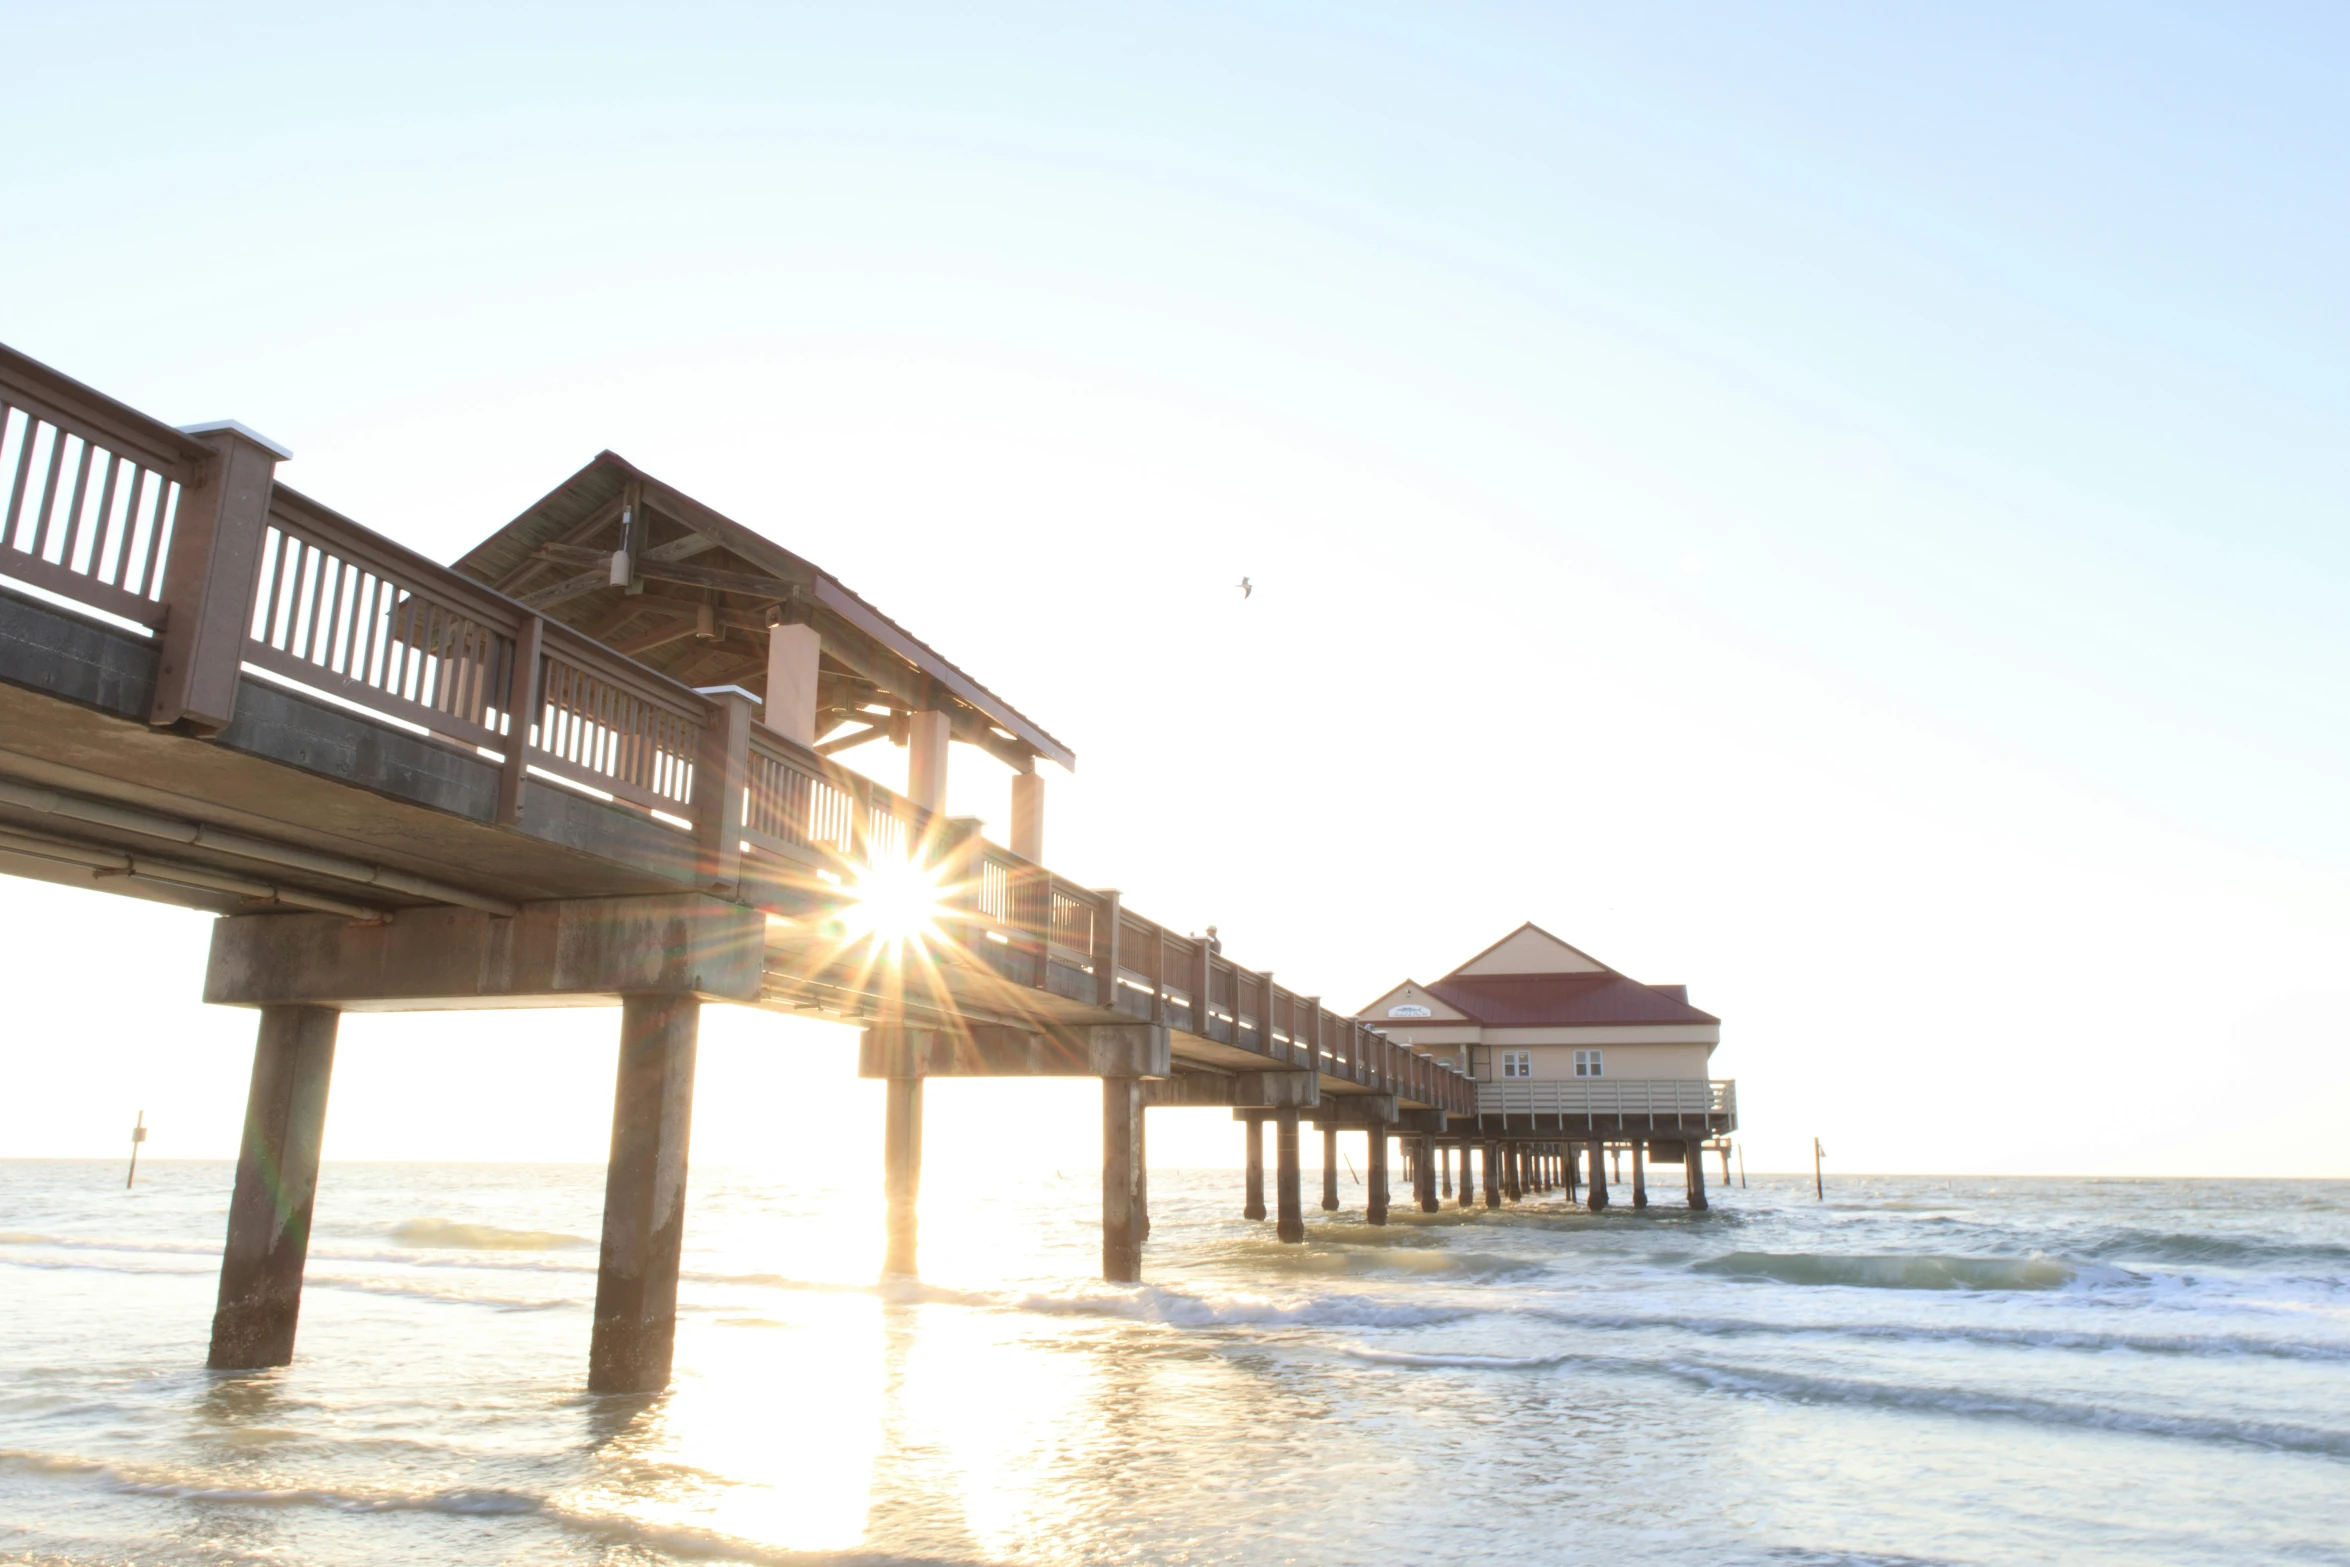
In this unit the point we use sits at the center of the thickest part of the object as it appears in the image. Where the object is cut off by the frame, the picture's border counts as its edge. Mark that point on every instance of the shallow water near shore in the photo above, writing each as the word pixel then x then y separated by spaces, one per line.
pixel 1916 1370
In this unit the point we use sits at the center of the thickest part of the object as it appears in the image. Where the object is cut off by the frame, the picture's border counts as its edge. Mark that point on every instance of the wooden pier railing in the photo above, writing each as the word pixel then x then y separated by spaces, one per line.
pixel 91 489
pixel 94 495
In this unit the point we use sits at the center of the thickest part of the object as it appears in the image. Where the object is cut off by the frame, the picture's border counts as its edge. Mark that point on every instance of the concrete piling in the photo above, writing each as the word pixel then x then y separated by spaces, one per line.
pixel 1122 1216
pixel 1639 1174
pixel 1598 1198
pixel 1289 1222
pixel 644 1195
pixel 1254 1207
pixel 260 1297
pixel 1142 1164
pixel 1375 1207
pixel 1492 1175
pixel 901 1171
pixel 1329 1168
pixel 1693 1161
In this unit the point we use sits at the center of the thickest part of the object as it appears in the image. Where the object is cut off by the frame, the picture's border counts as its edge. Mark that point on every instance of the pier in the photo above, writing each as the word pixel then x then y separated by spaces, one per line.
pixel 591 765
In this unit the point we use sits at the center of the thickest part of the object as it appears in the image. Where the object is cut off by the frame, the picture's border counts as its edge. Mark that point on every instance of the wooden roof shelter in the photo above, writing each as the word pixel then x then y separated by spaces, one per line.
pixel 657 576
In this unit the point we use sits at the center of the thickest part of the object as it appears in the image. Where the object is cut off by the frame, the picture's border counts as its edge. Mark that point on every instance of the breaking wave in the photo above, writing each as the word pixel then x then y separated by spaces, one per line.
pixel 1176 1308
pixel 1896 1272
pixel 450 1235
pixel 1794 1388
pixel 1397 1357
pixel 2190 1344
pixel 2174 1248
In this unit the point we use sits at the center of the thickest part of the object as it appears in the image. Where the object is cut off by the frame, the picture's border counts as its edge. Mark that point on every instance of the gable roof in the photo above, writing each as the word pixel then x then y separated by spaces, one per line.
pixel 555 558
pixel 1540 1000
pixel 1531 979
pixel 1412 993
pixel 1532 950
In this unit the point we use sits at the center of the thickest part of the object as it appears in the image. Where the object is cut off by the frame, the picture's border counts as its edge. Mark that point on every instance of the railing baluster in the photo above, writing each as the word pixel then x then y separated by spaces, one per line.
pixel 100 536
pixel 40 548
pixel 10 525
pixel 73 508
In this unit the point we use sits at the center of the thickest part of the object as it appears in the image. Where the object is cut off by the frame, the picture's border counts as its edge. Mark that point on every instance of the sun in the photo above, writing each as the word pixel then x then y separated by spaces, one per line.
pixel 894 903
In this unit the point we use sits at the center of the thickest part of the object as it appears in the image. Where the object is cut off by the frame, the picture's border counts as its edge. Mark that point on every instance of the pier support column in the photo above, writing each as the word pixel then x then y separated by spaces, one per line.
pixel 1468 1183
pixel 644 1194
pixel 1492 1162
pixel 1289 1221
pixel 1375 1208
pixel 1693 1160
pixel 1329 1169
pixel 1121 1180
pixel 1142 1164
pixel 1640 1174
pixel 901 1171
pixel 1598 1199
pixel 1443 1170
pixel 1255 1207
pixel 277 1179
pixel 1424 1157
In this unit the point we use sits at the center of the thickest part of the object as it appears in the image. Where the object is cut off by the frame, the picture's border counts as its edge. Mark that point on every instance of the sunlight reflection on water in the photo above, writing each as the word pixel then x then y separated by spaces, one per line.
pixel 1534 1383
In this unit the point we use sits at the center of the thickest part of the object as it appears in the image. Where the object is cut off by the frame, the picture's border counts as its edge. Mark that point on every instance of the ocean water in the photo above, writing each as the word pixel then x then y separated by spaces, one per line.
pixel 1916 1370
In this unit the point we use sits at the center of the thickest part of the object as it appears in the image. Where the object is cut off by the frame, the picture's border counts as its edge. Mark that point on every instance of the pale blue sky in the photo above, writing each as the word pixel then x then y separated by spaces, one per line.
pixel 1840 505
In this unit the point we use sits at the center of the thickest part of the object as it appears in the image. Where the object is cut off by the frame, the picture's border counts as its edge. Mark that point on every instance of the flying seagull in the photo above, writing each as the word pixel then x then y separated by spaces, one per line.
pixel 1246 587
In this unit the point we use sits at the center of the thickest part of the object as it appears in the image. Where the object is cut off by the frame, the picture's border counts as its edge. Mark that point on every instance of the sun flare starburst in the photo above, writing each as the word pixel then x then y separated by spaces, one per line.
pixel 894 903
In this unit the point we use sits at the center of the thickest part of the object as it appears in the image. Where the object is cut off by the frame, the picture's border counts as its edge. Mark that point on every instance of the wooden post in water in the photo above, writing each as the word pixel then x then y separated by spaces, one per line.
pixel 1375 1205
pixel 1254 1207
pixel 1639 1173
pixel 635 1329
pixel 1598 1199
pixel 901 1171
pixel 1819 1190
pixel 1329 1168
pixel 277 1180
pixel 1693 1159
pixel 138 1136
pixel 1121 1180
pixel 1289 1222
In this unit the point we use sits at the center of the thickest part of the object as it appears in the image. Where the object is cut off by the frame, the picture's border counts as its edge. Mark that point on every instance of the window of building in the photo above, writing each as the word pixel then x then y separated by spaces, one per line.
pixel 1587 1063
pixel 1517 1063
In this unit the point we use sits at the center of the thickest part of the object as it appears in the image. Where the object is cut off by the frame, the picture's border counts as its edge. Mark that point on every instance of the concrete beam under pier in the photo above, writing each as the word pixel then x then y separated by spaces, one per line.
pixel 1128 1050
pixel 571 951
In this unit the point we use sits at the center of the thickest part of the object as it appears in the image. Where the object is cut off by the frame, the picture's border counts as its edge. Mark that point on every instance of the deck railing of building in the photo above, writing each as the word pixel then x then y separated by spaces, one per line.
pixel 1631 1097
pixel 94 490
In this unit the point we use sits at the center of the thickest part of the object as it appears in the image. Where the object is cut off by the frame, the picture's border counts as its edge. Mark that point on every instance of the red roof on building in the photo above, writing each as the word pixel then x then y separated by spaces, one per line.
pixel 1547 1000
